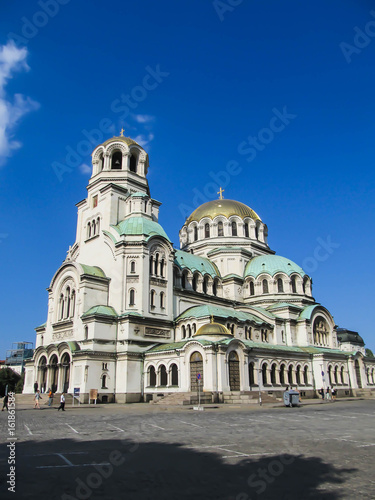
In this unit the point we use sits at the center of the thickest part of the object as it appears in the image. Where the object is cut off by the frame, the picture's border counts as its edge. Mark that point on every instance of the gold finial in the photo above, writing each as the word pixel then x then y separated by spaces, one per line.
pixel 220 193
pixel 122 132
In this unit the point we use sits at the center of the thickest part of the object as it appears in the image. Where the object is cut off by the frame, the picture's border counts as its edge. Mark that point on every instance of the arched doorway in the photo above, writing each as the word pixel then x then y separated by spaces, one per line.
pixel 174 375
pixel 43 373
pixel 163 376
pixel 152 375
pixel 251 375
pixel 196 366
pixel 54 373
pixel 358 374
pixel 234 371
pixel 65 361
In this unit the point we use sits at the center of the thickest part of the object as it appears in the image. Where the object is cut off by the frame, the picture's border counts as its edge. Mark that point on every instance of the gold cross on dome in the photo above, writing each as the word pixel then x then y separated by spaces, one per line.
pixel 122 132
pixel 220 193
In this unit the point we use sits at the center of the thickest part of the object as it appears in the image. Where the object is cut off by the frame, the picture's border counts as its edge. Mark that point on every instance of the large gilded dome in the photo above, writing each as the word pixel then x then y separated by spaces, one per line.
pixel 213 329
pixel 222 207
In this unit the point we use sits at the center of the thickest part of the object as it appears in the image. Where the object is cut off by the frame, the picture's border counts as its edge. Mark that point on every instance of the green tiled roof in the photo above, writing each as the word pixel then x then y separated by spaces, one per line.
pixel 232 276
pixel 140 226
pixel 177 345
pixel 100 310
pixel 307 312
pixel 195 263
pixel 107 233
pixel 43 325
pixel 281 305
pixel 264 311
pixel 271 264
pixel 325 350
pixel 93 271
pixel 138 194
pixel 73 345
pixel 219 312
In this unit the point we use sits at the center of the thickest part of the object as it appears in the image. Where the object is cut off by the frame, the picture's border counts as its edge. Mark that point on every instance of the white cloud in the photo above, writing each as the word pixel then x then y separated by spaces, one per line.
pixel 143 118
pixel 12 109
pixel 85 169
pixel 143 139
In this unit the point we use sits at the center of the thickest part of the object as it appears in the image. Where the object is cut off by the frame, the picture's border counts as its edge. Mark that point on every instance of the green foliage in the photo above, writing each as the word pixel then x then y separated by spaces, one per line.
pixel 369 353
pixel 10 378
pixel 20 383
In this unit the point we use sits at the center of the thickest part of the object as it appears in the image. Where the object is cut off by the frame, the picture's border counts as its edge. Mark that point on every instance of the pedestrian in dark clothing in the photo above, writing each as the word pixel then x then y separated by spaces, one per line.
pixel 36 387
pixel 5 402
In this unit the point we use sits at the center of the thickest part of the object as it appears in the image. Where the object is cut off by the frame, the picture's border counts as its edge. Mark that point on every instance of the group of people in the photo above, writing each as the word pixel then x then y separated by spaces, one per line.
pixel 328 394
pixel 38 397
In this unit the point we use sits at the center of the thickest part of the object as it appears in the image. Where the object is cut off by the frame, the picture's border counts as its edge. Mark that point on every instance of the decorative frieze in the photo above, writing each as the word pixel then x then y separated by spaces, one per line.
pixel 157 332
pixel 65 334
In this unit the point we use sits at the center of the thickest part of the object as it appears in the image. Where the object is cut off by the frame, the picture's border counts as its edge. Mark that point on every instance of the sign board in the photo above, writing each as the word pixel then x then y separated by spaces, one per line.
pixel 76 392
pixel 94 394
pixel 322 374
pixel 199 376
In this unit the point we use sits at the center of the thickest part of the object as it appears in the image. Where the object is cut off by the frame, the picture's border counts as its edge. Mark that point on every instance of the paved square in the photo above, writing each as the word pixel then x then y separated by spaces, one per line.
pixel 324 451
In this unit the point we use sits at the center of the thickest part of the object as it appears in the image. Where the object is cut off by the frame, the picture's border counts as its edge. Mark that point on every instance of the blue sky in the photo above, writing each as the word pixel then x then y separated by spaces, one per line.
pixel 222 70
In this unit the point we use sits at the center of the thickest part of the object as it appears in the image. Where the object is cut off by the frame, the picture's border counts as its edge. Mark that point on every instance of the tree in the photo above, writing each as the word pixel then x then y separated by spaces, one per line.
pixel 9 378
pixel 20 383
pixel 369 353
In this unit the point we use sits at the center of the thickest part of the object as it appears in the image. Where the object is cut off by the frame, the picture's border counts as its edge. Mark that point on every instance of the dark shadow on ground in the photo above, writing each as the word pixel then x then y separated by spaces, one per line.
pixel 163 471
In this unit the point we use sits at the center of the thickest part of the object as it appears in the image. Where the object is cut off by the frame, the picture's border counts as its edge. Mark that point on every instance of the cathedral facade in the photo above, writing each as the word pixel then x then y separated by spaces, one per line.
pixel 135 318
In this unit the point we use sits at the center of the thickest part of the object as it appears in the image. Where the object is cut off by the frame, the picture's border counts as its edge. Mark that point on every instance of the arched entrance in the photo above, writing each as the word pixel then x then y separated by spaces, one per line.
pixel 234 371
pixel 65 361
pixel 54 373
pixel 196 366
pixel 358 374
pixel 43 373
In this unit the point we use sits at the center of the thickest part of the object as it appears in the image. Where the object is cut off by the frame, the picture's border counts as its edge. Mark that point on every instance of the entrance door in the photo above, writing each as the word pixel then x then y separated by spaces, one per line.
pixel 358 374
pixel 234 371
pixel 196 366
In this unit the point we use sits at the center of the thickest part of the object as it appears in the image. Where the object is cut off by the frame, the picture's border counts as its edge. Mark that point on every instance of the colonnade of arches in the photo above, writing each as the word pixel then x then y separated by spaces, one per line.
pixel 67 303
pixel 279 374
pixel 117 158
pixel 161 376
pixel 198 282
pixel 281 283
pixel 223 227
pixel 336 375
pixel 54 372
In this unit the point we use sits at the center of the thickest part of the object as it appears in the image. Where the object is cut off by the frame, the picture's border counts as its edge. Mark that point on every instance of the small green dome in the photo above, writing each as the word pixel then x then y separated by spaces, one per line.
pixel 271 264
pixel 140 226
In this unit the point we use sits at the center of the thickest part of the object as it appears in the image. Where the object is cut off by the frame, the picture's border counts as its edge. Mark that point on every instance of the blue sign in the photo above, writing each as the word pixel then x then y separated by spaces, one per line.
pixel 322 374
pixel 76 390
pixel 199 376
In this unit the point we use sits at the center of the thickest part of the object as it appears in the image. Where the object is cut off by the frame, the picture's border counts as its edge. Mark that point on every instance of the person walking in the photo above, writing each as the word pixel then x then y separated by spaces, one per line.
pixel 62 403
pixel 50 397
pixel 36 387
pixel 37 397
pixel 334 394
pixel 5 402
pixel 328 394
pixel 321 392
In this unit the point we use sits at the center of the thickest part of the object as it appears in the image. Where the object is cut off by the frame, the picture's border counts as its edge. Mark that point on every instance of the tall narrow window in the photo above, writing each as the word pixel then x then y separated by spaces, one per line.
pixel 89 230
pixel 195 233
pixel 95 201
pixel 205 285
pixel 195 283
pixel 152 298
pixel 280 287
pixel 133 163
pixel 162 300
pixel 73 304
pixel 132 297
pixel 132 266
pixel 265 286
pixel 294 285
pixel 256 231
pixel 93 227
pixel 104 381
pixel 234 229
pixel 86 332
pixel 246 229
pixel 151 265
pixel 252 289
pixel 183 329
pixel 116 163
pixel 183 280
pixel 62 303
pixel 162 268
pixel 220 229
pixel 156 264
pixel 214 288
pixel 207 230
pixel 68 300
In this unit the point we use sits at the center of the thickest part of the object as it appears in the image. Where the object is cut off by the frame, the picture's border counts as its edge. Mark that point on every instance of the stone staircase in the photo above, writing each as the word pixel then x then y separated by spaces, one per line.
pixel 28 399
pixel 238 397
pixel 181 398
pixel 364 393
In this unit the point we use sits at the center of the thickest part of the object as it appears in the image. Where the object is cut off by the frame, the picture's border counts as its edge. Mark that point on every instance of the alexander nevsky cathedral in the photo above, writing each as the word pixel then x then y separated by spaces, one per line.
pixel 139 320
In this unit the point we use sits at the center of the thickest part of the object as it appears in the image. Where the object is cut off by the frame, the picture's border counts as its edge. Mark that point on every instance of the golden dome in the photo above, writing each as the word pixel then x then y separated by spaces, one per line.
pixel 213 329
pixel 222 207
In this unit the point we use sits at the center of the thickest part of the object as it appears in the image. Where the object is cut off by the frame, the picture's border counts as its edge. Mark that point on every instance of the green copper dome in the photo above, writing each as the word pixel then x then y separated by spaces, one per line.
pixel 140 226
pixel 271 264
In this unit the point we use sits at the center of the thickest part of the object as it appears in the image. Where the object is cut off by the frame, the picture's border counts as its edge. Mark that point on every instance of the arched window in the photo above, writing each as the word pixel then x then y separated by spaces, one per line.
pixel 151 265
pixel 163 376
pixel 214 288
pixel 290 375
pixel 220 228
pixel 156 264
pixel 89 229
pixel 336 375
pixel 132 297
pixel 93 228
pixel 264 374
pixel 194 328
pixel 251 374
pixel 195 233
pixel 162 268
pixel 256 231
pixel 246 229
pixel 61 306
pixel 234 228
pixel 86 332
pixel 162 300
pixel 183 332
pixel 68 301
pixel 73 304
pixel 98 225
pixel 152 376
pixel 205 283
pixel 252 289
pixel 104 381
pixel 195 282
pixel 116 163
pixel 174 375
pixel 183 280
pixel 273 374
pixel 342 375
pixel 101 162
pixel 152 298
pixel 265 286
pixel 132 266
pixel 282 374
pixel 298 375
pixel 280 285
pixel 133 163
pixel 305 376
pixel 294 285
pixel 330 375
pixel 189 331
pixel 207 230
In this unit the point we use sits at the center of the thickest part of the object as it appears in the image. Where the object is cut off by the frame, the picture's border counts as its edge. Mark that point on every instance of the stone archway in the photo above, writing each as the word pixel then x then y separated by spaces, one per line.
pixel 234 371
pixel 65 362
pixel 54 376
pixel 358 374
pixel 42 378
pixel 196 366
